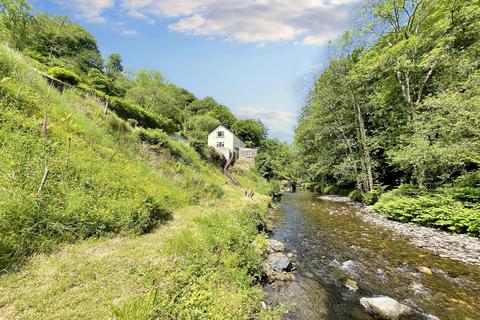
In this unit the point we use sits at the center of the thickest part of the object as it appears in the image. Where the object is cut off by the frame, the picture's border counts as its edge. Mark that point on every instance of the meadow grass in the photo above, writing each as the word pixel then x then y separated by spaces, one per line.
pixel 82 202
pixel 200 265
pixel 70 172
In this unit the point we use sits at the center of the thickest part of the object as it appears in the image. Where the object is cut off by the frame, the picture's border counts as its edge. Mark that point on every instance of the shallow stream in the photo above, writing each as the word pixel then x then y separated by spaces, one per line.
pixel 335 248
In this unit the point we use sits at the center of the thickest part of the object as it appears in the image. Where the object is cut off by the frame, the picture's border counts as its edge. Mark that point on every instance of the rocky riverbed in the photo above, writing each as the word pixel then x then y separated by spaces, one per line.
pixel 350 263
pixel 459 247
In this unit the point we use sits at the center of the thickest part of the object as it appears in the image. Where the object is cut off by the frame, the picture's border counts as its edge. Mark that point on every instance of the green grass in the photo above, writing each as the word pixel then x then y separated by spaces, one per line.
pixel 100 180
pixel 86 243
pixel 201 264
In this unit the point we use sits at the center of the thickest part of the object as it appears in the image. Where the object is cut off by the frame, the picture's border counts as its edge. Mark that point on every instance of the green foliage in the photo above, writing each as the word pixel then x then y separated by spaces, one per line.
pixel 336 190
pixel 265 166
pixel 373 196
pixel 99 181
pixel 356 195
pixel 63 43
pixel 276 190
pixel 391 108
pixel 252 132
pixel 15 21
pixel 215 268
pixel 114 65
pixel 99 81
pixel 145 118
pixel 276 160
pixel 437 208
pixel 64 75
pixel 153 137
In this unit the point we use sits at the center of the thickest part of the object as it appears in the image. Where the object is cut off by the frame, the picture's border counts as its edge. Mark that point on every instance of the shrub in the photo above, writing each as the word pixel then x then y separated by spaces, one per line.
pixel 355 195
pixel 153 137
pixel 148 216
pixel 372 197
pixel 64 75
pixel 436 208
pixel 336 190
pixel 200 147
pixel 276 190
pixel 216 158
pixel 145 118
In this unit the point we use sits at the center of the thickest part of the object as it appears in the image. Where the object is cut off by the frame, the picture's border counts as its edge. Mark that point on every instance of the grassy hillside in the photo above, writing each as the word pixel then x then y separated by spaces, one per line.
pixel 71 172
pixel 100 179
pixel 201 264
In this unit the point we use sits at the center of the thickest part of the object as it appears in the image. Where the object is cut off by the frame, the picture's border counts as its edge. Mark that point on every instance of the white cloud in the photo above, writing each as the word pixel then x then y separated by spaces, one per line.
pixel 307 22
pixel 278 122
pixel 128 33
pixel 88 10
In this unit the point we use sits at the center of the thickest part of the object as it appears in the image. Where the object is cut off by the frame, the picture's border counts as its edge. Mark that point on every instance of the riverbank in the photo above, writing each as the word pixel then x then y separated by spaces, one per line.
pixel 458 247
pixel 343 261
pixel 201 264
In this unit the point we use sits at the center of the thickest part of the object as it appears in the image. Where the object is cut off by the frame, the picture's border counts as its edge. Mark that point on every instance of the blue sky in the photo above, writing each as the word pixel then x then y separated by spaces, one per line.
pixel 255 56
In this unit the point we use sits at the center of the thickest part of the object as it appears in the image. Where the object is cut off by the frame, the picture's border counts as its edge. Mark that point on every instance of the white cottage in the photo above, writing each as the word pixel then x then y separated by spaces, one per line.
pixel 227 143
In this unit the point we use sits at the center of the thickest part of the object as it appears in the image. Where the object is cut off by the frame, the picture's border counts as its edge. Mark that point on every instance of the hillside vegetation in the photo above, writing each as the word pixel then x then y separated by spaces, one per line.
pixel 398 106
pixel 89 153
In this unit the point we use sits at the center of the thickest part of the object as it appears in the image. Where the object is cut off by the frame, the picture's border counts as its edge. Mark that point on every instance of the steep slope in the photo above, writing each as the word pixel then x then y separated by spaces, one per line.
pixel 71 172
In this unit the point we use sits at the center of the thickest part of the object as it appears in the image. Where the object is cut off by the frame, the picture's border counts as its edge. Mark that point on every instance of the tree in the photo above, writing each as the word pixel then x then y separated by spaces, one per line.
pixel 149 92
pixel 114 66
pixel 15 22
pixel 64 43
pixel 252 132
pixel 397 110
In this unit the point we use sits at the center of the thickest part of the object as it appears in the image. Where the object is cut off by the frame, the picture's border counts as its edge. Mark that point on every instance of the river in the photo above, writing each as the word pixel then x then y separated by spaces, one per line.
pixel 334 248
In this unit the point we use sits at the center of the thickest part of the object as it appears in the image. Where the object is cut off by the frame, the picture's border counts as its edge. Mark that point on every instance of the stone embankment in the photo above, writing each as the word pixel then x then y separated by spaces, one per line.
pixel 459 247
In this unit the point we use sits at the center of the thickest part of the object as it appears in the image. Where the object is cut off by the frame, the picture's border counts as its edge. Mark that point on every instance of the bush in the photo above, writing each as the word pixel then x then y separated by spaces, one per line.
pixel 200 146
pixel 372 197
pixel 436 208
pixel 336 190
pixel 276 190
pixel 355 195
pixel 64 75
pixel 154 137
pixel 145 118
pixel 148 216
pixel 216 158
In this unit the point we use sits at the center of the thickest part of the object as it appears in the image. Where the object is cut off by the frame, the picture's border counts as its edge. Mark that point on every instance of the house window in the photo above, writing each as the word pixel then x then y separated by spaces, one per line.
pixel 248 154
pixel 220 144
pixel 220 134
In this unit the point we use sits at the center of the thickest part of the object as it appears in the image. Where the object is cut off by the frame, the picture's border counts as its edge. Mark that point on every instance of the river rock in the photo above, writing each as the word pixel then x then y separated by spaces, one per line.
pixel 386 308
pixel 279 262
pixel 278 267
pixel 275 246
pixel 425 270
pixel 351 285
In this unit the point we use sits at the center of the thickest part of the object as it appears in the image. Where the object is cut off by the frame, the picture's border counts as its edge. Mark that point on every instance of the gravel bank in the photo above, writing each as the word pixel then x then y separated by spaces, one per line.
pixel 459 247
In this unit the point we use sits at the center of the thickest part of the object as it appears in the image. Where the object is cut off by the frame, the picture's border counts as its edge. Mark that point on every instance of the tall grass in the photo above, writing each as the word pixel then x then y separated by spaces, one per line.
pixel 216 263
pixel 69 172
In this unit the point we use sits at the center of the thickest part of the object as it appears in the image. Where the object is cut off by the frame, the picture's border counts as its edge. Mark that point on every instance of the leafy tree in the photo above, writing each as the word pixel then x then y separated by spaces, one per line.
pixel 99 81
pixel 252 132
pixel 199 126
pixel 64 43
pixel 15 21
pixel 114 66
pixel 151 92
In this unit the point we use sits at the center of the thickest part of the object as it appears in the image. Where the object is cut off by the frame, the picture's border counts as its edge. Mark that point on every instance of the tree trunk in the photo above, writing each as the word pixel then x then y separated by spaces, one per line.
pixel 364 143
pixel 351 154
